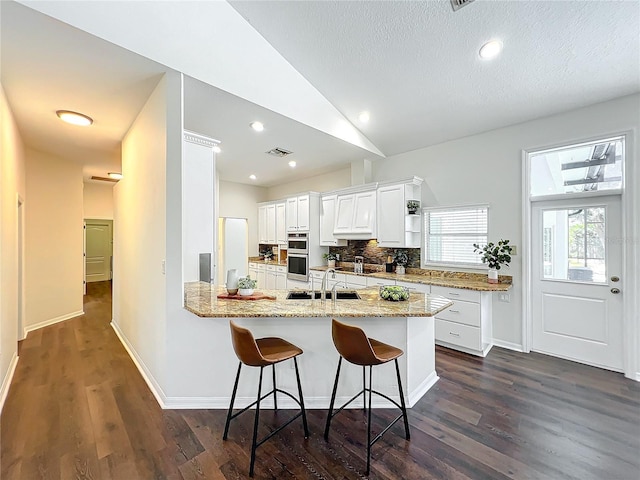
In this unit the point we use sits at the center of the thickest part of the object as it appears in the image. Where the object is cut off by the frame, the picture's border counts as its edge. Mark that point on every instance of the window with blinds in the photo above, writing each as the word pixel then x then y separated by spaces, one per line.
pixel 451 232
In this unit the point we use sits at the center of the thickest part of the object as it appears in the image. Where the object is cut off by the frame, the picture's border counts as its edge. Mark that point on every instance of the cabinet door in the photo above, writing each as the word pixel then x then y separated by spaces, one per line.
pixel 281 223
pixel 303 212
pixel 390 211
pixel 262 224
pixel 344 214
pixel 271 281
pixel 281 281
pixel 364 215
pixel 292 214
pixel 327 219
pixel 262 277
pixel 271 224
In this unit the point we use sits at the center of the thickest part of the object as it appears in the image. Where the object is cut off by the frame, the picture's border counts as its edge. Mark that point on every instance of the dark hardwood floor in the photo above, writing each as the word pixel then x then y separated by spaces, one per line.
pixel 78 409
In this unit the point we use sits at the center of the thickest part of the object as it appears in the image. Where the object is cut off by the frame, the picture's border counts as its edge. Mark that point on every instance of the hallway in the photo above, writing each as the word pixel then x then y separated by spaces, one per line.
pixel 78 409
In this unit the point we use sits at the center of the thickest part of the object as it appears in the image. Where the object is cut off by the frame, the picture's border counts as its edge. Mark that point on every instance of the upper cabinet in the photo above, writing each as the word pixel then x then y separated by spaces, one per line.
pixel 298 213
pixel 397 228
pixel 262 224
pixel 327 222
pixel 271 223
pixel 355 216
pixel 281 223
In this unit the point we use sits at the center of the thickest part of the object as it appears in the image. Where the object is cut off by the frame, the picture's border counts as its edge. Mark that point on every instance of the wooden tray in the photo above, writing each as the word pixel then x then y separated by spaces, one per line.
pixel 255 296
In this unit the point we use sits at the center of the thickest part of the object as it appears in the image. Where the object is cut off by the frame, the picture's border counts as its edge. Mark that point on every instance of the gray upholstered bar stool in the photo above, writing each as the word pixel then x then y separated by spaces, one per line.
pixel 354 346
pixel 263 352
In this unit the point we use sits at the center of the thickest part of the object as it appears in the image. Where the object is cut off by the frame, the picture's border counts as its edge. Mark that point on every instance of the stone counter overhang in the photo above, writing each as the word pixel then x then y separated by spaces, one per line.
pixel 201 298
pixel 467 281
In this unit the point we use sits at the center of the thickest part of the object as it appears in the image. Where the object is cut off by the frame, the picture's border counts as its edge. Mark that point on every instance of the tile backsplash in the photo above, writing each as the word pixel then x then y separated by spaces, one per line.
pixel 372 253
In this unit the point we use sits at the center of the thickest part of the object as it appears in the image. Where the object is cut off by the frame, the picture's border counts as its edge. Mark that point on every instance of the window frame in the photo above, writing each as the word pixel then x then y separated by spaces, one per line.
pixel 425 261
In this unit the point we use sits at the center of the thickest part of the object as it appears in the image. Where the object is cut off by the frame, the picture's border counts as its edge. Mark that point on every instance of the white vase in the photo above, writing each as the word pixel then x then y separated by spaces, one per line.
pixel 400 269
pixel 331 263
pixel 492 275
pixel 245 291
pixel 232 281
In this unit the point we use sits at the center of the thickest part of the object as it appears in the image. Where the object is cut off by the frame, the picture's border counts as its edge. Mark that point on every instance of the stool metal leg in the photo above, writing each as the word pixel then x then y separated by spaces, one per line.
pixel 255 426
pixel 404 407
pixel 233 397
pixel 333 401
pixel 369 424
pixel 364 389
pixel 304 412
pixel 275 399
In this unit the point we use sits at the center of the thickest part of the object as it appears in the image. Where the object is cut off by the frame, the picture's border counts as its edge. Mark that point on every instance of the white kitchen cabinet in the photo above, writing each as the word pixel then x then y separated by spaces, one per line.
pixel 281 278
pixel 281 223
pixel 378 282
pixel 253 270
pixel 261 276
pixel 356 215
pixel 297 285
pixel 327 222
pixel 298 213
pixel 396 227
pixel 414 287
pixel 318 275
pixel 355 282
pixel 276 278
pixel 467 324
pixel 262 224
pixel 271 223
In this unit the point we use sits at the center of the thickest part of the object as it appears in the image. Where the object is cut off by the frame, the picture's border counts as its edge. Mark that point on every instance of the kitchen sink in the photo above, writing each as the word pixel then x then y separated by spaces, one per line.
pixel 308 295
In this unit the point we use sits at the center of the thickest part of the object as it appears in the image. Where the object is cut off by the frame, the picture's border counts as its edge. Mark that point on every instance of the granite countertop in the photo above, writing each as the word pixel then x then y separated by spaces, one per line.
pixel 201 298
pixel 468 281
pixel 270 262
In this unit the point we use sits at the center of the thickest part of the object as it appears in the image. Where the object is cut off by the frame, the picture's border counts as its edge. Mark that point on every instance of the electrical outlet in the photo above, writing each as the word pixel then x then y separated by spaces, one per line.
pixel 504 297
pixel 338 257
pixel 514 250
pixel 164 267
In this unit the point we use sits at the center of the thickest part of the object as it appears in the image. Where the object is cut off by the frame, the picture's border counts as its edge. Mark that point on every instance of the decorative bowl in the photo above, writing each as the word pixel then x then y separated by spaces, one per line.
pixel 394 293
pixel 245 292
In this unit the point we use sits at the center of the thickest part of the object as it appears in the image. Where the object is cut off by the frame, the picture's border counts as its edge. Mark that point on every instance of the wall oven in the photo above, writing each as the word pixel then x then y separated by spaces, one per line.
pixel 298 257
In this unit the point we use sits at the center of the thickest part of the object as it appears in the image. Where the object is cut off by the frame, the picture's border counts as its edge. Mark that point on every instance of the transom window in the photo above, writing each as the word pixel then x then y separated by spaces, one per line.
pixel 450 233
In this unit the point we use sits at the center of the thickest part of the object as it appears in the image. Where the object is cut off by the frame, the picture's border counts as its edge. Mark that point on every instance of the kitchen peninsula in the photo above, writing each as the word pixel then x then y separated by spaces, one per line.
pixel 408 325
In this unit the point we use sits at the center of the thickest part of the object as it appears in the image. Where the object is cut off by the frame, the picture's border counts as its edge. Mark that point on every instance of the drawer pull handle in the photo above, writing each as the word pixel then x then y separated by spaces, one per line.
pixel 454 294
pixel 454 311
pixel 454 334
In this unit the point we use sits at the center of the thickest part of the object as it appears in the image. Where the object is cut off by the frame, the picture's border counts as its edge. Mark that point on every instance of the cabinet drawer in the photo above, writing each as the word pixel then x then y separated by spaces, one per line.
pixel 355 281
pixel 456 293
pixel 376 282
pixel 281 270
pixel 415 287
pixel 462 312
pixel 458 334
pixel 271 268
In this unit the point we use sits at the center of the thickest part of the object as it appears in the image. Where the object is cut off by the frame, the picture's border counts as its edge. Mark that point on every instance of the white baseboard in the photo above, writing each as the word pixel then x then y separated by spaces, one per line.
pixel 423 388
pixel 637 377
pixel 144 371
pixel 51 321
pixel 508 345
pixel 6 383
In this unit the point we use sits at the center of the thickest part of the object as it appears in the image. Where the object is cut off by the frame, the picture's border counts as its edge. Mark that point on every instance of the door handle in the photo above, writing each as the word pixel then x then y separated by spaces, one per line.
pixel 615 279
pixel 615 291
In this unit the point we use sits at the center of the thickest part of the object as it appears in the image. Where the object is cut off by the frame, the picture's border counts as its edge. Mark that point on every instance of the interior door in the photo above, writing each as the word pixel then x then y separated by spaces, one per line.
pixel 576 268
pixel 98 251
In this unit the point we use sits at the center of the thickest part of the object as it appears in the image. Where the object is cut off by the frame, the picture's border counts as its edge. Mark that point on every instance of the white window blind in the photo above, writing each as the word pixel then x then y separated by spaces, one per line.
pixel 451 232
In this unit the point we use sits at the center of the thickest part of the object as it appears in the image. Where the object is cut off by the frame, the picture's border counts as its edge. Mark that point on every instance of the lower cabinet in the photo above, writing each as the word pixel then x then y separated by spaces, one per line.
pixel 466 325
pixel 276 278
pixel 415 287
pixel 355 282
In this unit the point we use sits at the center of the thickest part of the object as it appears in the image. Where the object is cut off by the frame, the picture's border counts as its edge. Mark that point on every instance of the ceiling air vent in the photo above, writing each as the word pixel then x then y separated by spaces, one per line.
pixel 458 4
pixel 279 152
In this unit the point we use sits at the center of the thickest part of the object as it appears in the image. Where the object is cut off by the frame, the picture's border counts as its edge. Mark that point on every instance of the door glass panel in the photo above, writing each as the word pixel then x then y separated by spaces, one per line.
pixel 573 244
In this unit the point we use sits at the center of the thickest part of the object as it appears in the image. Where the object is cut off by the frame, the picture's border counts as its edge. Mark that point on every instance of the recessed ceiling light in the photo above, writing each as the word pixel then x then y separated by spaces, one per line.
pixel 257 126
pixel 490 49
pixel 292 163
pixel 74 118
pixel 217 149
pixel 252 176
pixel 364 117
pixel 115 175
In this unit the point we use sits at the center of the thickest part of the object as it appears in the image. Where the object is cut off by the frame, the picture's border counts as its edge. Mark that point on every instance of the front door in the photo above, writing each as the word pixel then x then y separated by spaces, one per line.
pixel 576 268
pixel 98 250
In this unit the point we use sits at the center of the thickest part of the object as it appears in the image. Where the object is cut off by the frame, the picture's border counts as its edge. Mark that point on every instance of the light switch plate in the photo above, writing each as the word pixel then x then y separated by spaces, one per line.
pixel 504 297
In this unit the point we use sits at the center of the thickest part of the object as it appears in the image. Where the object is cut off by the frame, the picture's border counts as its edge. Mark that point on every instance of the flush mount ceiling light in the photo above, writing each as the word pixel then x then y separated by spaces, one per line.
pixel 364 117
pixel 490 50
pixel 217 149
pixel 292 163
pixel 257 126
pixel 74 118
pixel 115 175
pixel 252 176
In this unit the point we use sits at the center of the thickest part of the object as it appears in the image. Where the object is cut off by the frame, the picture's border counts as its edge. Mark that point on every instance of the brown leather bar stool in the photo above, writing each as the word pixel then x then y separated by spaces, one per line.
pixel 354 346
pixel 263 352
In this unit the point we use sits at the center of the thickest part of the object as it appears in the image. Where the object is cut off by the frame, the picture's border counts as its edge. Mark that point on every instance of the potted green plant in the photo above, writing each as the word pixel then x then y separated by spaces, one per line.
pixel 331 259
pixel 246 285
pixel 401 259
pixel 495 255
pixel 413 206
pixel 268 255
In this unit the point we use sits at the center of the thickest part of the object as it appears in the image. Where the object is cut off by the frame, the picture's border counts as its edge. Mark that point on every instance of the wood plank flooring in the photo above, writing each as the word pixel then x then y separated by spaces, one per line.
pixel 78 409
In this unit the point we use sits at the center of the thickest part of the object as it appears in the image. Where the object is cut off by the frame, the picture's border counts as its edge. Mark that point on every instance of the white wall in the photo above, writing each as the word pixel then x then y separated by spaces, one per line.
pixel 139 247
pixel 12 184
pixel 98 201
pixel 487 168
pixel 53 239
pixel 241 201
pixel 318 183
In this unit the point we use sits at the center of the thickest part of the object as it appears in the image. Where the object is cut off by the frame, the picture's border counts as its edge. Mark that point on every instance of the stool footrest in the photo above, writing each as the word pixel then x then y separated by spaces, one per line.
pixel 262 398
pixel 271 434
pixel 379 436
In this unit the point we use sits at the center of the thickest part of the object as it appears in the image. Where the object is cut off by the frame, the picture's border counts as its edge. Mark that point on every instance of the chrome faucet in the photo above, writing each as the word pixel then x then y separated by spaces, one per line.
pixel 323 286
pixel 334 296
